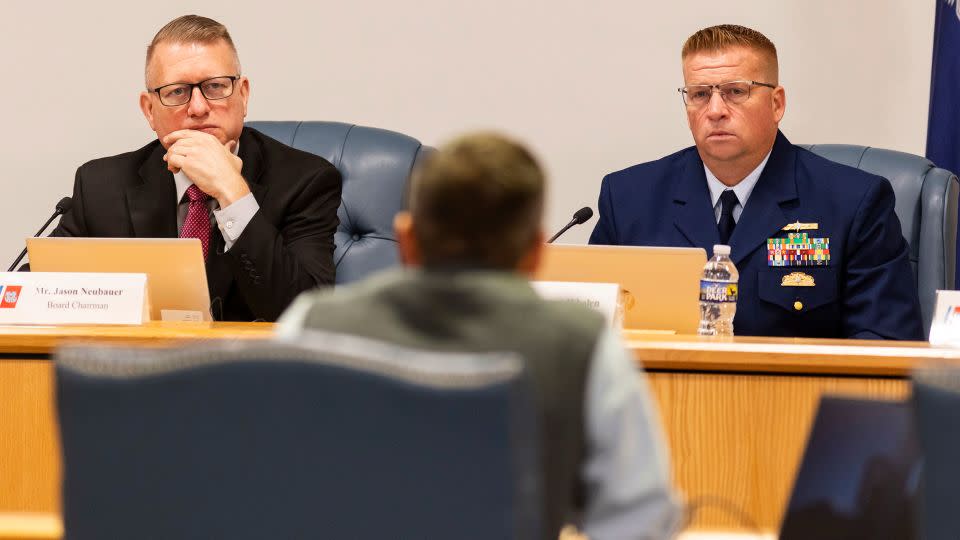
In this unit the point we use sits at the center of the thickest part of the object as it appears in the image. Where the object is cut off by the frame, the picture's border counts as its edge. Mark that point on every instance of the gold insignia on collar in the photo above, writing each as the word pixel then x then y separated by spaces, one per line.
pixel 797 227
pixel 797 279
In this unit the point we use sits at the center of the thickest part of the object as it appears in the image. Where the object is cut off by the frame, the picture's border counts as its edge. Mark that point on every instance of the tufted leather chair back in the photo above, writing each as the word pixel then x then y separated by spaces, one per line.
pixel 927 208
pixel 333 437
pixel 375 165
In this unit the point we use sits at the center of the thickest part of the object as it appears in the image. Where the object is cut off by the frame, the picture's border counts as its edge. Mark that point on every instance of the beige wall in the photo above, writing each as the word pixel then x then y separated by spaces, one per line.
pixel 590 85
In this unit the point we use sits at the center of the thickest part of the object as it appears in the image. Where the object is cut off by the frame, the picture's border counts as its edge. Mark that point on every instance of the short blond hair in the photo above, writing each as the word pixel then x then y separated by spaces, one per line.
pixel 725 36
pixel 477 203
pixel 191 29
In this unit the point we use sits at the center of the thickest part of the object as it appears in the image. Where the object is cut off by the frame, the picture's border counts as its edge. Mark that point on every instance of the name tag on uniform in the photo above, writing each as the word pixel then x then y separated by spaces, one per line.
pixel 798 249
pixel 797 279
pixel 797 227
pixel 73 298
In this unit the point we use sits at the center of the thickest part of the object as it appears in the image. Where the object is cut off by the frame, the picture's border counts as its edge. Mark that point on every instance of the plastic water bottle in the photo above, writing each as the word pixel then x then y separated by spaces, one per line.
pixel 718 294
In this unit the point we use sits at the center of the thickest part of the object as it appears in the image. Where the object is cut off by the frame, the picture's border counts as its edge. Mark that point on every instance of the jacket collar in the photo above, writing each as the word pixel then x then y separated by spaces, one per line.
pixel 253 166
pixel 469 283
pixel 152 200
pixel 762 216
pixel 693 214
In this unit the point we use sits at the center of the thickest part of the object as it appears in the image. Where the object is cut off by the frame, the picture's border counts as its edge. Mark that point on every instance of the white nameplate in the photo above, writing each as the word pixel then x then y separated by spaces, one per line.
pixel 73 298
pixel 945 327
pixel 602 297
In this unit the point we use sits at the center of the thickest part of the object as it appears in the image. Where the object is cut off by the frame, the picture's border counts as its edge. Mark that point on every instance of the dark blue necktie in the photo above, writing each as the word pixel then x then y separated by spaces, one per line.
pixel 728 199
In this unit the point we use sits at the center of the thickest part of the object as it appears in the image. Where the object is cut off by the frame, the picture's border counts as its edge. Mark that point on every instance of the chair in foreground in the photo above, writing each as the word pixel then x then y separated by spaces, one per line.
pixel 936 401
pixel 261 440
pixel 926 206
pixel 375 165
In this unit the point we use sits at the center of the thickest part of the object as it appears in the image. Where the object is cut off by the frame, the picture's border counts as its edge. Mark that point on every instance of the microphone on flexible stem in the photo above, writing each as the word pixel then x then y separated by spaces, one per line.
pixel 580 216
pixel 62 208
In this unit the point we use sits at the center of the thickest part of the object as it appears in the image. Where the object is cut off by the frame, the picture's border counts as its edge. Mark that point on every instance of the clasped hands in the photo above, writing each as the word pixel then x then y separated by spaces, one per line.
pixel 208 163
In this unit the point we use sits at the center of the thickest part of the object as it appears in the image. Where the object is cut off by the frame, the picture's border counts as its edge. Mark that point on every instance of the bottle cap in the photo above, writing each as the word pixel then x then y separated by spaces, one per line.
pixel 721 249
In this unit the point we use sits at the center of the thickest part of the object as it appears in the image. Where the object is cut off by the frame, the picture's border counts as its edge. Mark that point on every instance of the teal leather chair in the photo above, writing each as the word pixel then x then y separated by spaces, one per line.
pixel 344 438
pixel 375 165
pixel 927 208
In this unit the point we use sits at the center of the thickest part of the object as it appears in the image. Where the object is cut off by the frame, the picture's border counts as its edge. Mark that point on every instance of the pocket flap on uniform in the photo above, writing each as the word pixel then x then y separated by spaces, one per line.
pixel 774 288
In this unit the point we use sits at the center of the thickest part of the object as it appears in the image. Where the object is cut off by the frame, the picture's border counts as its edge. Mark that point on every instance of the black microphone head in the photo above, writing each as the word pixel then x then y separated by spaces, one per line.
pixel 65 203
pixel 583 214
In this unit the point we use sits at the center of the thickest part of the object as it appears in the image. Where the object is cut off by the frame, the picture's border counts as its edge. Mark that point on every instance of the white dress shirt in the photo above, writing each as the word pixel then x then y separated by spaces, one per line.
pixel 742 190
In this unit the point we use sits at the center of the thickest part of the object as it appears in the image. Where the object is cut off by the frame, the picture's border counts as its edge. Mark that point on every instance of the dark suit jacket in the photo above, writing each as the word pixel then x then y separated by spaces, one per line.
pixel 868 289
pixel 286 248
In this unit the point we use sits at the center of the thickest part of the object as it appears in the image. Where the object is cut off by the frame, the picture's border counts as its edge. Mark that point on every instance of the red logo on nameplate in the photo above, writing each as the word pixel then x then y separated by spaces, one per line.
pixel 10 295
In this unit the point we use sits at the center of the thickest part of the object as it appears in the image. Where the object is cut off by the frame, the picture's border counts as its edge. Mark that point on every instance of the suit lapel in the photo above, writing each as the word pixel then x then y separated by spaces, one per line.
pixel 763 217
pixel 253 165
pixel 693 213
pixel 152 200
pixel 219 272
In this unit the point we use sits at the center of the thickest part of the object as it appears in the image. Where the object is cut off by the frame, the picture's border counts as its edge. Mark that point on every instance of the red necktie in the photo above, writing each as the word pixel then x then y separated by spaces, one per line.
pixel 197 223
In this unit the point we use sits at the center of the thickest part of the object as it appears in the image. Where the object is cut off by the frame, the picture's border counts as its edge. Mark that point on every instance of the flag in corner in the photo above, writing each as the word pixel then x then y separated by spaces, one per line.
pixel 943 127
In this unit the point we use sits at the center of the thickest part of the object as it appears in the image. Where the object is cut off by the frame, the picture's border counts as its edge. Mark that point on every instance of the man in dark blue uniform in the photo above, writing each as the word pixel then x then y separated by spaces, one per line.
pixel 818 245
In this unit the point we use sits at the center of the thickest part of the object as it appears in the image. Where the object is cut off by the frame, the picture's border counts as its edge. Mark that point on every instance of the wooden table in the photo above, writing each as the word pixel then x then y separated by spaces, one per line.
pixel 736 412
pixel 30 526
pixel 29 451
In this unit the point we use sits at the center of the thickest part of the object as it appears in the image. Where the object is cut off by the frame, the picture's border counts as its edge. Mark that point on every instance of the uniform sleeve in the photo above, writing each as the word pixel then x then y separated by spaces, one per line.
pixel 880 292
pixel 605 232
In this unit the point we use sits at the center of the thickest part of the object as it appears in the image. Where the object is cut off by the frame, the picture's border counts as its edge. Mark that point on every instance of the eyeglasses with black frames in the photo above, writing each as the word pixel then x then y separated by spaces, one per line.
pixel 734 92
pixel 173 95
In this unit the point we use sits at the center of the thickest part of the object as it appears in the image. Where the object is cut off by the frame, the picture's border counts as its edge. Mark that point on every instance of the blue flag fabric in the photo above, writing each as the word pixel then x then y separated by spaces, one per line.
pixel 943 127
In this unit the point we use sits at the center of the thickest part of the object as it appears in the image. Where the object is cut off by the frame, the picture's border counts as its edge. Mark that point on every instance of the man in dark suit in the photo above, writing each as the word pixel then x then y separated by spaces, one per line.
pixel 817 244
pixel 264 213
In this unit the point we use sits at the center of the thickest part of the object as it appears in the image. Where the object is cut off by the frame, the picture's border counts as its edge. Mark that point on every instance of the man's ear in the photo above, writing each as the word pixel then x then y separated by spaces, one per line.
pixel 244 93
pixel 530 261
pixel 779 103
pixel 146 106
pixel 406 239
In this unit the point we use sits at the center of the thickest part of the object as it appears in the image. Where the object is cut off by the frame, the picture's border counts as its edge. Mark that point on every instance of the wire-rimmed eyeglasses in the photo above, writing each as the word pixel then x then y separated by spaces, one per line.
pixel 736 92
